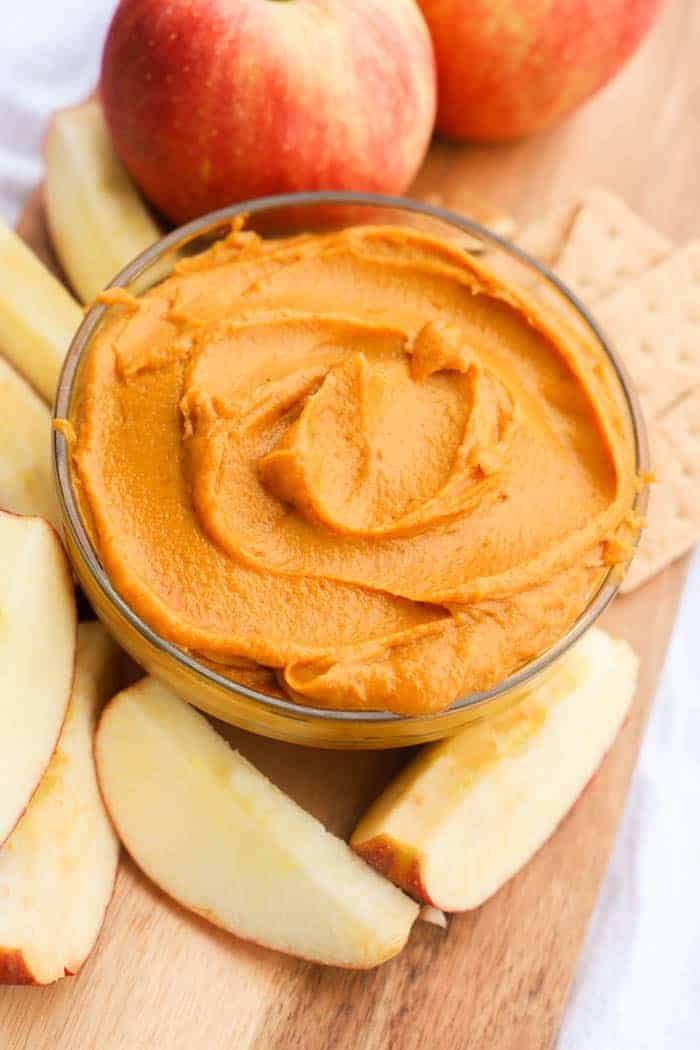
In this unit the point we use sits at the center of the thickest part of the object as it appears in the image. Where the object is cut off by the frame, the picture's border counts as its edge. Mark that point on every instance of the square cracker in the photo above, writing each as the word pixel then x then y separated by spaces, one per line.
pixel 673 517
pixel 654 324
pixel 606 245
pixel 648 301
pixel 544 238
pixel 594 243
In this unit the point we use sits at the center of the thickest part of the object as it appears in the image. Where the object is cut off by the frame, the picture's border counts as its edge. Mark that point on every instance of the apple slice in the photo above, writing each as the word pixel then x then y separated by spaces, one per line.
pixel 97 219
pixel 26 480
pixel 217 836
pixel 470 811
pixel 58 867
pixel 37 315
pixel 37 654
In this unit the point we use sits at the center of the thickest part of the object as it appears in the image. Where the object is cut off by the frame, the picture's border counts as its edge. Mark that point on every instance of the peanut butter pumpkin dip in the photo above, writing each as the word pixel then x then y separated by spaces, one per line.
pixel 357 467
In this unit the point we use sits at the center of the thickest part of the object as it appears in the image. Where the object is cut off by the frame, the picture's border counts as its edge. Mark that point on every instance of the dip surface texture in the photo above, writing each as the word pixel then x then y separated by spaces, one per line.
pixel 355 468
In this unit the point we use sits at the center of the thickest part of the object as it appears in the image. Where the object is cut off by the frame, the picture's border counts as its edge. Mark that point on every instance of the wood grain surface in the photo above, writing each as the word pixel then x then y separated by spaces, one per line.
pixel 497 978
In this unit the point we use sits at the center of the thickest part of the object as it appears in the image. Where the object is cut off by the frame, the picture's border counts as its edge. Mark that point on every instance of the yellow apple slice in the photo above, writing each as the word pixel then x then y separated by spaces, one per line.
pixel 218 837
pixel 26 480
pixel 57 868
pixel 37 654
pixel 37 315
pixel 470 811
pixel 97 219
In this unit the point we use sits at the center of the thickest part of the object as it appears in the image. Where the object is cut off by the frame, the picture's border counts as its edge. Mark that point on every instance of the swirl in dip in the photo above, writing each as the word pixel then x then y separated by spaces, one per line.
pixel 357 467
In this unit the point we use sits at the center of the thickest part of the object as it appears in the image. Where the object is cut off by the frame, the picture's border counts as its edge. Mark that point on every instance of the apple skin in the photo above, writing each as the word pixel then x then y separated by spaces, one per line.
pixel 14 969
pixel 210 102
pixel 509 68
pixel 398 863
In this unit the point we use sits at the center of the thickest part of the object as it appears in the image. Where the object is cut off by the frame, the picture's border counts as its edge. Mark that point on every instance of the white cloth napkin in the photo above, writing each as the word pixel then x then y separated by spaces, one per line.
pixel 638 982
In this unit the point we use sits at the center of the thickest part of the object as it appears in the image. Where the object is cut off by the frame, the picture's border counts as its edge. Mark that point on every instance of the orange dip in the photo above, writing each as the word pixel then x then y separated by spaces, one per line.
pixel 355 467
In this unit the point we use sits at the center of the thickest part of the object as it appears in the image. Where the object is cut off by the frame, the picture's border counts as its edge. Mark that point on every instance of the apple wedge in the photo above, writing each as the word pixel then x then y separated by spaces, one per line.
pixel 218 837
pixel 37 315
pixel 37 655
pixel 26 480
pixel 470 811
pixel 97 219
pixel 57 868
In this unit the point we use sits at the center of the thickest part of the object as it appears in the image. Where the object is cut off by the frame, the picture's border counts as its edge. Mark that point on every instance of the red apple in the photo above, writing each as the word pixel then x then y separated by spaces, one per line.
pixel 215 101
pixel 515 66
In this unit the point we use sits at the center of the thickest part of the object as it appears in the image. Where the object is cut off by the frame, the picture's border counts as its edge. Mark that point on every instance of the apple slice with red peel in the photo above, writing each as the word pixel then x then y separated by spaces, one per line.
pixel 218 837
pixel 37 315
pixel 97 219
pixel 26 479
pixel 470 811
pixel 57 868
pixel 37 655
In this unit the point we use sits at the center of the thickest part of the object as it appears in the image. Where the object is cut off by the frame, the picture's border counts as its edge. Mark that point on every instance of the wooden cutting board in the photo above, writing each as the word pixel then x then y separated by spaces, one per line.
pixel 496 979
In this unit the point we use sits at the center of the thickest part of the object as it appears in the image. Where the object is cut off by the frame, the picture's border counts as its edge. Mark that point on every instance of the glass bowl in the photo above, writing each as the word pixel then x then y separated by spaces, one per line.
pixel 203 687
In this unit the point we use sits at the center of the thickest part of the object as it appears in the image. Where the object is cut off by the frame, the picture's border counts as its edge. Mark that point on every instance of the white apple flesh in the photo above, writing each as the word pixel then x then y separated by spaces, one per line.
pixel 37 315
pixel 97 219
pixel 218 837
pixel 26 479
pixel 470 811
pixel 58 867
pixel 37 655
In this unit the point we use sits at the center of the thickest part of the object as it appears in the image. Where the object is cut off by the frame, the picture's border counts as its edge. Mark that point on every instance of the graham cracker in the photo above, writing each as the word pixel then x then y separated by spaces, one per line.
pixel 607 245
pixel 646 298
pixel 653 322
pixel 594 243
pixel 673 517
pixel 544 238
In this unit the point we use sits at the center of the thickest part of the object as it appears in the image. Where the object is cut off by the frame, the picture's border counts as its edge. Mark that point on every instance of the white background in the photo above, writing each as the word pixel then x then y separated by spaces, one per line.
pixel 638 983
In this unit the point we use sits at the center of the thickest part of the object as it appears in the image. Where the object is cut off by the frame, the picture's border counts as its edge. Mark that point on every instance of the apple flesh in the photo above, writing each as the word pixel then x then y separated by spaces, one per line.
pixel 38 317
pixel 58 867
pixel 218 837
pixel 26 479
pixel 98 221
pixel 37 654
pixel 210 102
pixel 470 811
pixel 512 68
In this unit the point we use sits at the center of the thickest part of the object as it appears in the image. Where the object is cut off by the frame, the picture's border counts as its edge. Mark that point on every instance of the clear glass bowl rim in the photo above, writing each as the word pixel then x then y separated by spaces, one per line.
pixel 208 223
